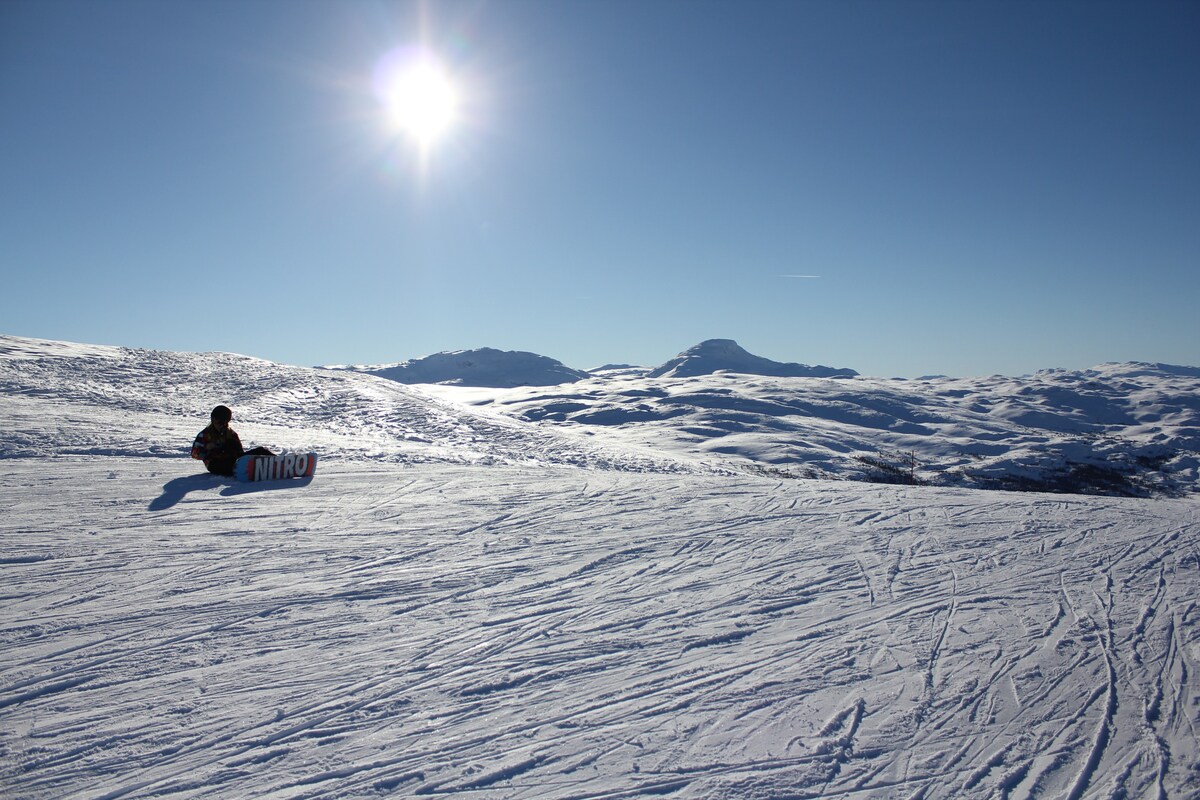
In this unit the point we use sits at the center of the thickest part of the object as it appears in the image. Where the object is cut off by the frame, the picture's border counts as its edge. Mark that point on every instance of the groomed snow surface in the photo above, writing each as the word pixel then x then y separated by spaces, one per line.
pixel 468 605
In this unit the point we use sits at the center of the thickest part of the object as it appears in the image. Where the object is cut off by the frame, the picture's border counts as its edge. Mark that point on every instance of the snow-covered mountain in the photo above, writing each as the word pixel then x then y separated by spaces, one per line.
pixel 488 367
pixel 726 355
pixel 482 367
pixel 1123 429
pixel 463 603
pixel 1119 429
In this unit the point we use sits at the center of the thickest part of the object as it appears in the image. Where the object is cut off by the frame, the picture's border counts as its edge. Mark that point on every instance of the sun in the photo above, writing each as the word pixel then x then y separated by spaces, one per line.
pixel 418 96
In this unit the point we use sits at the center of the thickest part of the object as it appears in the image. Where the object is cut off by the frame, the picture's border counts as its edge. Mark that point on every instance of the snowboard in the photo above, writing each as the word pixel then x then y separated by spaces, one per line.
pixel 275 468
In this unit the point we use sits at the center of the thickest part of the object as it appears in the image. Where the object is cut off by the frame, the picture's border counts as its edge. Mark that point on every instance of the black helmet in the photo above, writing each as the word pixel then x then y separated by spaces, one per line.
pixel 222 414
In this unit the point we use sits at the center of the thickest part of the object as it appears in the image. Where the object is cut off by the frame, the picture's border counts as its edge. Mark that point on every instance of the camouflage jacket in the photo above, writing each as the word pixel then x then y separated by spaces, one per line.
pixel 212 443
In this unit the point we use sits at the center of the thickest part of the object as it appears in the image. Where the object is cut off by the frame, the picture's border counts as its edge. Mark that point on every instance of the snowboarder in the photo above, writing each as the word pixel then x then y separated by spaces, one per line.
pixel 218 445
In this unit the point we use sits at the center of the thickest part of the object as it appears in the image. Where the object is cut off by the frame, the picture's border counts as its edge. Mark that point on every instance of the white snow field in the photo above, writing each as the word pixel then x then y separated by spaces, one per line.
pixel 471 606
pixel 1129 429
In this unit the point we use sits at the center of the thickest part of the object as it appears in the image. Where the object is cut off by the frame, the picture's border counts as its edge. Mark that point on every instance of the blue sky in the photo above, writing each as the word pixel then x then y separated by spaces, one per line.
pixel 978 187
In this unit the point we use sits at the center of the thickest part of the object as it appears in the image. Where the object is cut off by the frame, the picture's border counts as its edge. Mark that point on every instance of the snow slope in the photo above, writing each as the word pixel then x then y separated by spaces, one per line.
pixel 1121 429
pixel 1118 429
pixel 511 612
pixel 64 399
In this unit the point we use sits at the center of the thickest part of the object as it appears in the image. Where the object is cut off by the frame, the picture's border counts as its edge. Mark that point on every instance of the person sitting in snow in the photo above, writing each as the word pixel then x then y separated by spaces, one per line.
pixel 219 446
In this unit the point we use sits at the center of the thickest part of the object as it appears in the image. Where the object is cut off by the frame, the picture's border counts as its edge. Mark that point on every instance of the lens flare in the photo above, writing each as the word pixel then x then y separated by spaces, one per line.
pixel 418 96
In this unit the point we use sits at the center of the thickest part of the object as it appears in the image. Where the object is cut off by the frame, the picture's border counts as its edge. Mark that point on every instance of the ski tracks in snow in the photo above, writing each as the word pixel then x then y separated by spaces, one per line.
pixel 535 633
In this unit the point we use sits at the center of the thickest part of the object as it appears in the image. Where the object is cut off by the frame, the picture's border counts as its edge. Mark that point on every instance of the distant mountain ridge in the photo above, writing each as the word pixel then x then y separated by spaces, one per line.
pixel 726 355
pixel 506 369
pixel 484 366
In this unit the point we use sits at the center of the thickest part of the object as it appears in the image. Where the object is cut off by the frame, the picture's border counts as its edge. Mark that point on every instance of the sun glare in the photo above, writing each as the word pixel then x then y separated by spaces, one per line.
pixel 418 96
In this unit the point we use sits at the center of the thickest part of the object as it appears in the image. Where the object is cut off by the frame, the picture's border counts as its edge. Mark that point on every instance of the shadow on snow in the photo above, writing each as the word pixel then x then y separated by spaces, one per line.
pixel 173 491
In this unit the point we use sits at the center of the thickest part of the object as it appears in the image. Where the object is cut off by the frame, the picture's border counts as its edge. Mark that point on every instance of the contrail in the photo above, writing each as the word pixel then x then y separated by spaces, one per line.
pixel 799 276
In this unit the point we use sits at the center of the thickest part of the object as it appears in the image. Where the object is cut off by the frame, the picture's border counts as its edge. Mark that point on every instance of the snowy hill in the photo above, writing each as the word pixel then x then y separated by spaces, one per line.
pixel 1123 429
pixel 1118 429
pixel 464 604
pixel 154 402
pixel 725 355
pixel 483 367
